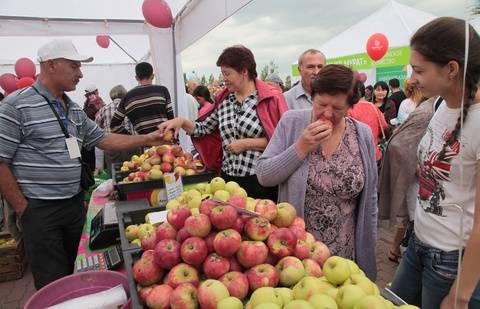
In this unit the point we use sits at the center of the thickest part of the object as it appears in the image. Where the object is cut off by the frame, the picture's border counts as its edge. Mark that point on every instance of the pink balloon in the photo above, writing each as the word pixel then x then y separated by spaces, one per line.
pixel 157 13
pixel 8 82
pixel 377 46
pixel 25 82
pixel 25 67
pixel 103 41
pixel 362 77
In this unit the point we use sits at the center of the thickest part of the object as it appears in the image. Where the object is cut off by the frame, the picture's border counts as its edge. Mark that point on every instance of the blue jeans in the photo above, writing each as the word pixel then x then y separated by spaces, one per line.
pixel 426 275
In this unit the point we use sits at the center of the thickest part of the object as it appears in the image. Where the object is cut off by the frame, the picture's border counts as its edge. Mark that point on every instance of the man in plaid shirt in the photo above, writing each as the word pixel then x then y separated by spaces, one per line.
pixel 103 119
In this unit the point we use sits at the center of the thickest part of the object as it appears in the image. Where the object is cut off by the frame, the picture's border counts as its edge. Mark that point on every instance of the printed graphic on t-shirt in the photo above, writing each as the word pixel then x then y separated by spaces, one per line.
pixel 434 170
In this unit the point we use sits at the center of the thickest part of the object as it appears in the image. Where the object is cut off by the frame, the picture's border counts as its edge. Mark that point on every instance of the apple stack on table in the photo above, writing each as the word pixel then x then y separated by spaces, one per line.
pixel 214 256
pixel 157 160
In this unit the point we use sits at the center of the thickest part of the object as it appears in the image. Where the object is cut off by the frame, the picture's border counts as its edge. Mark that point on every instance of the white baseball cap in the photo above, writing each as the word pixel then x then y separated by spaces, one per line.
pixel 61 48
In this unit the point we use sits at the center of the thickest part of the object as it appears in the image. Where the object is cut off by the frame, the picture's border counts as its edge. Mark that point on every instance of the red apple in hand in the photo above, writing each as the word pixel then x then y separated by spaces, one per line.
pixel 215 266
pixel 252 253
pixel 198 225
pixel 182 273
pixel 227 242
pixel 223 217
pixel 236 283
pixel 282 242
pixel 177 216
pixel 326 121
pixel 165 231
pixel 258 228
pixel 262 275
pixel 193 251
pixel 267 208
pixel 146 271
pixel 167 253
pixel 184 297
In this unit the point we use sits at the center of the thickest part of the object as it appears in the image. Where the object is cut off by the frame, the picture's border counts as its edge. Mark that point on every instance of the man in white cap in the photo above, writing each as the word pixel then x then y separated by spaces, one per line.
pixel 41 133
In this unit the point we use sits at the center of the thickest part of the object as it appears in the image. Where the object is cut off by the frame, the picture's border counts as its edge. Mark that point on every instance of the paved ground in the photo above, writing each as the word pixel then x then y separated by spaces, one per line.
pixel 14 294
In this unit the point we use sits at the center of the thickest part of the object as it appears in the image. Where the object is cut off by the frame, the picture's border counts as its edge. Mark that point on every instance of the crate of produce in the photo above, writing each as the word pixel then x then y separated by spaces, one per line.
pixel 131 216
pixel 12 258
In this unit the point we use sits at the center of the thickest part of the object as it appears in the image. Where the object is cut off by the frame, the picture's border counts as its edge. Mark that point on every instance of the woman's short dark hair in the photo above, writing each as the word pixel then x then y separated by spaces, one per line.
pixel 336 79
pixel 202 91
pixel 239 58
pixel 382 85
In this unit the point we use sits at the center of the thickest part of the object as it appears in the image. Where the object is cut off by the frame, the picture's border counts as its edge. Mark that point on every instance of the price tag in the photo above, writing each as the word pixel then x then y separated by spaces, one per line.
pixel 173 185
pixel 157 217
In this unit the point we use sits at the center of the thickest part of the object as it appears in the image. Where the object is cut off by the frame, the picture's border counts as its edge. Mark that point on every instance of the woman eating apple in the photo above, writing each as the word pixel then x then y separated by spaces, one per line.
pixel 324 164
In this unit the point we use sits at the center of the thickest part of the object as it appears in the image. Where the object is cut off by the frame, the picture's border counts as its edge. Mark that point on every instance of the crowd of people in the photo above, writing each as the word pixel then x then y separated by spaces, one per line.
pixel 346 155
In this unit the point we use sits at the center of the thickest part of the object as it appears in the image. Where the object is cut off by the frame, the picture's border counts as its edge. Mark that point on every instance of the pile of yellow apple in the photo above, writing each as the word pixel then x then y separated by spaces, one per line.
pixel 211 254
pixel 157 160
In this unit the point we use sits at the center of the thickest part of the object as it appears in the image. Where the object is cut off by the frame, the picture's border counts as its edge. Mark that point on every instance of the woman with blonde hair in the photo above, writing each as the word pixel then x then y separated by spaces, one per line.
pixel 414 97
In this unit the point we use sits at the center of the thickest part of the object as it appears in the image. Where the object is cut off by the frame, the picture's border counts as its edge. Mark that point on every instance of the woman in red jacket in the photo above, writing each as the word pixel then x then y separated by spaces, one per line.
pixel 233 133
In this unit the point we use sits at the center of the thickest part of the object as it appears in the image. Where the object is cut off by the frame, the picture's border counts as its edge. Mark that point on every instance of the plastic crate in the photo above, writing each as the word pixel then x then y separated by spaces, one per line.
pixel 136 190
pixel 129 214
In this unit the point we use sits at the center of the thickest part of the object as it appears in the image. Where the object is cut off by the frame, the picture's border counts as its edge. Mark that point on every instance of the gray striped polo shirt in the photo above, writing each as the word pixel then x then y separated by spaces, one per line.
pixel 33 144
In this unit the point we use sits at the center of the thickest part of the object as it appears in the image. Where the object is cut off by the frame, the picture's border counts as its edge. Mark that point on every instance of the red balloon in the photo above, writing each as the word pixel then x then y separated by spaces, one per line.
pixel 377 46
pixel 157 13
pixel 8 82
pixel 103 41
pixel 25 82
pixel 25 67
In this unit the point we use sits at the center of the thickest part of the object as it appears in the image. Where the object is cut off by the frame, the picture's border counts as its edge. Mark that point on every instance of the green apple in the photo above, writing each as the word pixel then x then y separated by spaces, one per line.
pixel 285 294
pixel 388 304
pixel 370 302
pixel 336 270
pixel 348 295
pixel 194 202
pixel 322 301
pixel 332 293
pixel 240 192
pixel 137 242
pixel 230 303
pixel 200 187
pixel 144 230
pixel 265 295
pixel 376 290
pixel 354 269
pixel 131 232
pixel 222 195
pixel 266 306
pixel 408 307
pixel 298 304
pixel 307 287
pixel 192 193
pixel 251 204
pixel 291 270
pixel 216 184
pixel 364 283
pixel 172 204
pixel 231 186
pixel 156 174
pixel 208 189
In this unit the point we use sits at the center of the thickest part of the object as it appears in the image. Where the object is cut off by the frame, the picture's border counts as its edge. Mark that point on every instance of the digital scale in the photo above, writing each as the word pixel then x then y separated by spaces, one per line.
pixel 108 260
pixel 104 230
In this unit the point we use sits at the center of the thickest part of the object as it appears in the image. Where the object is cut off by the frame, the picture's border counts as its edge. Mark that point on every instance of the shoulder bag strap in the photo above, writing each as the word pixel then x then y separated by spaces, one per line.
pixel 64 130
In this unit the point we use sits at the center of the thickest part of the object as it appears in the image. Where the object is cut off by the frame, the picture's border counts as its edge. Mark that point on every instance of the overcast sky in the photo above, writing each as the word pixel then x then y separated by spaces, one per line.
pixel 280 30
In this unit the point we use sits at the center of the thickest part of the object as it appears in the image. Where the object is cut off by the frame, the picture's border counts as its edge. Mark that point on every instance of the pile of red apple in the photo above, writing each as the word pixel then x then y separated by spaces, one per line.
pixel 223 258
pixel 157 160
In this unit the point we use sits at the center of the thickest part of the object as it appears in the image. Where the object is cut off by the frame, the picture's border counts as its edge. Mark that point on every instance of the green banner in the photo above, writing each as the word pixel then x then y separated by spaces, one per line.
pixel 387 73
pixel 398 56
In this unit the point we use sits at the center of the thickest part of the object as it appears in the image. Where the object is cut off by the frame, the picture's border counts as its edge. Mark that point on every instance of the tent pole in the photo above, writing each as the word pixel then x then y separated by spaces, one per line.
pixel 135 60
pixel 175 88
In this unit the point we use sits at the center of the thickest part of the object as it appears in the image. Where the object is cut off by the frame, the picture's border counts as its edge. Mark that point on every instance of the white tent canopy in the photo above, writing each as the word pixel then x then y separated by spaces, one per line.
pixel 397 21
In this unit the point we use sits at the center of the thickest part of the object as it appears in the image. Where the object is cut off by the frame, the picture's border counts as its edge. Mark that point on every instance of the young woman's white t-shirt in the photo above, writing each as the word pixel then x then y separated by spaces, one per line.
pixel 441 184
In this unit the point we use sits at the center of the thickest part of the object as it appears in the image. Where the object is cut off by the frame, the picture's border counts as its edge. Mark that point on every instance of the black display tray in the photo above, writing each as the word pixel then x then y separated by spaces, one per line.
pixel 132 213
pixel 124 188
